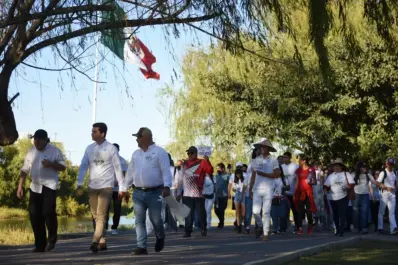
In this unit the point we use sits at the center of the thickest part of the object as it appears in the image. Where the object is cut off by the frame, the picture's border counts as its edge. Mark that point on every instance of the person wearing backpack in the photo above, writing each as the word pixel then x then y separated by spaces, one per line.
pixel 363 183
pixel 387 184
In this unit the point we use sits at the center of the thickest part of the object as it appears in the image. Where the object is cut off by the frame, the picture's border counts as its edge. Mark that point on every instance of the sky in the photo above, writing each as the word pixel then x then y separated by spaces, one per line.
pixel 48 100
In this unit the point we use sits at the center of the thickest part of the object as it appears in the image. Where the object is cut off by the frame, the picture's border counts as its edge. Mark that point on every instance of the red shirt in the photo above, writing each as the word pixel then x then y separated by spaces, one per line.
pixel 194 173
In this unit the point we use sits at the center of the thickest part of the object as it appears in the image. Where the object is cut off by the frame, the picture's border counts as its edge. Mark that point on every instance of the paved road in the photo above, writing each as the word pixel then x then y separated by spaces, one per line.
pixel 219 247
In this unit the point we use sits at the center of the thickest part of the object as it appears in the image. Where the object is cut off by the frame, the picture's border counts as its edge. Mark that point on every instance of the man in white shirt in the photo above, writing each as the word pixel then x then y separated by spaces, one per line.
pixel 42 162
pixel 117 202
pixel 289 170
pixel 149 173
pixel 265 171
pixel 387 181
pixel 102 160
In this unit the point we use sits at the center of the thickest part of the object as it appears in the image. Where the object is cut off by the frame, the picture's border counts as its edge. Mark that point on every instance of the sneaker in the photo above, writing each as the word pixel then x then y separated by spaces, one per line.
pixel 364 231
pixel 102 246
pixel 300 231
pixel 50 246
pixel 204 232
pixel 310 227
pixel 140 251
pixel 159 244
pixel 186 235
pixel 265 238
pixel 239 229
pixel 114 232
pixel 94 247
pixel 395 231
pixel 353 229
pixel 247 230
pixel 259 232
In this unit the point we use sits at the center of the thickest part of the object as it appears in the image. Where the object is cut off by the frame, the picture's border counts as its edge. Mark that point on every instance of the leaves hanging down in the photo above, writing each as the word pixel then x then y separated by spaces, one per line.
pixel 249 97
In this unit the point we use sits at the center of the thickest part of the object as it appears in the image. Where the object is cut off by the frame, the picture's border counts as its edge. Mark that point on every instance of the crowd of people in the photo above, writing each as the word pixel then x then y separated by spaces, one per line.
pixel 330 197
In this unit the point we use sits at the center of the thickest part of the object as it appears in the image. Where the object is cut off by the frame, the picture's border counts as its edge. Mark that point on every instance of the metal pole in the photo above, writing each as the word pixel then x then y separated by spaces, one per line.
pixel 95 83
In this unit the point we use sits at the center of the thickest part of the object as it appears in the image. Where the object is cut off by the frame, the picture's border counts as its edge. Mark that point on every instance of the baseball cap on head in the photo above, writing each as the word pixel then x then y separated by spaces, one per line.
pixel 391 161
pixel 142 131
pixel 239 164
pixel 40 134
pixel 192 149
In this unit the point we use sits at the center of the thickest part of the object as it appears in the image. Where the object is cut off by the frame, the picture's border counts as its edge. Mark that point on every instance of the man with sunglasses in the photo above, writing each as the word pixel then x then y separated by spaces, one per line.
pixel 149 173
pixel 192 179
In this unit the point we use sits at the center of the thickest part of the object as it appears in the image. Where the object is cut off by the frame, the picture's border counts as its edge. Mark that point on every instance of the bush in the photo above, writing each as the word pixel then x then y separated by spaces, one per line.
pixel 9 213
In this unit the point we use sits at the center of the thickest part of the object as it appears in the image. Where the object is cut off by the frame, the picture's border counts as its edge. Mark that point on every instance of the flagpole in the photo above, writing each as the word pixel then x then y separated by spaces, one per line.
pixel 95 83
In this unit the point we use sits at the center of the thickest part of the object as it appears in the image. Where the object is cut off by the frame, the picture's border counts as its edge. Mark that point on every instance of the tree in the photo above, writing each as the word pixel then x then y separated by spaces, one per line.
pixel 249 96
pixel 29 26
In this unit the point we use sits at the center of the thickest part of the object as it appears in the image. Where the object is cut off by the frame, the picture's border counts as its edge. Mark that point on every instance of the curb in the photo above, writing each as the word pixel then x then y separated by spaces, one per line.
pixel 290 256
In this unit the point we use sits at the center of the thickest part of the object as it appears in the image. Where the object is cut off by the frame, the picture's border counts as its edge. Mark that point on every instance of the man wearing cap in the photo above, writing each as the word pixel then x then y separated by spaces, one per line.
pixel 43 162
pixel 387 182
pixel 149 173
pixel 265 170
pixel 102 160
pixel 192 179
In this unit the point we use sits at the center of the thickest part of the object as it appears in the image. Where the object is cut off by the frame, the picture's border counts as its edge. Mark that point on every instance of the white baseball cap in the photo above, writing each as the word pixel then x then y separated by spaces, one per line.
pixel 239 164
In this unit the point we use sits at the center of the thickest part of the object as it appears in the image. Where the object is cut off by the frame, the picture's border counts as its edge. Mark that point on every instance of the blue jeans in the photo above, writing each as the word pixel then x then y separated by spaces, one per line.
pixel 361 211
pixel 147 200
pixel 249 211
pixel 278 213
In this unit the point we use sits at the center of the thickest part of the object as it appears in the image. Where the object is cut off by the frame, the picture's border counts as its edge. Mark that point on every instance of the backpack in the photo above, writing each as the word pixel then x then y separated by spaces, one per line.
pixel 384 177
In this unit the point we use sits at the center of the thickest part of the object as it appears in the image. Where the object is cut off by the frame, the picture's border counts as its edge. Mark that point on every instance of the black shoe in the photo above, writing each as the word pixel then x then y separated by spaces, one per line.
pixel 37 250
pixel 94 247
pixel 247 231
pixel 140 251
pixel 159 244
pixel 204 232
pixel 50 246
pixel 239 230
pixel 259 232
pixel 220 225
pixel 181 226
pixel 186 235
pixel 102 247
pixel 380 231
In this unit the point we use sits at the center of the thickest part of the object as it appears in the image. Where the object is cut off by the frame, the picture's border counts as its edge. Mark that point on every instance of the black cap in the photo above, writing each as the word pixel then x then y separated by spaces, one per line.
pixel 192 149
pixel 141 131
pixel 40 134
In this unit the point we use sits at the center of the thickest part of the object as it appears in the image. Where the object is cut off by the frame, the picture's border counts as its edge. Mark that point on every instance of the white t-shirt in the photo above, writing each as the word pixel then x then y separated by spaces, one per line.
pixel 278 185
pixel 247 180
pixel 290 176
pixel 363 185
pixel 208 186
pixel 338 181
pixel 389 181
pixel 238 187
pixel 263 185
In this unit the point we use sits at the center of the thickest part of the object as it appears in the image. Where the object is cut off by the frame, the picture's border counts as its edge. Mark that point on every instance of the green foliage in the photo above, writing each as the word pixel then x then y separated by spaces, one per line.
pixel 232 100
pixel 11 161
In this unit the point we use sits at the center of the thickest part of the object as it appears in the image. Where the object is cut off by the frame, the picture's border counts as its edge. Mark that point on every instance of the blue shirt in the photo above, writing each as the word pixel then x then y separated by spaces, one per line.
pixel 222 181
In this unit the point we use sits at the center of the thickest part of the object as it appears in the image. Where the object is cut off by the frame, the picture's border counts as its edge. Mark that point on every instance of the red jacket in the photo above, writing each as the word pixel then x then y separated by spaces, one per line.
pixel 304 189
pixel 204 168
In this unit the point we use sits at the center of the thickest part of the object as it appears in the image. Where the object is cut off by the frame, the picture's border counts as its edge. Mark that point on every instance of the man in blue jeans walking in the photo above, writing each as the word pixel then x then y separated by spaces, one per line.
pixel 149 173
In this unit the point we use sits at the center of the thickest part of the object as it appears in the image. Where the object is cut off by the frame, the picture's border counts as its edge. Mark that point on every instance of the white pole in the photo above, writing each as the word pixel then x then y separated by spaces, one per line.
pixel 95 83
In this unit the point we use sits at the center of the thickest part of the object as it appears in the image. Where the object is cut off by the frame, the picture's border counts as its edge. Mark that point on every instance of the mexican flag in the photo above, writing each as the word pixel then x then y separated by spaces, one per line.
pixel 125 45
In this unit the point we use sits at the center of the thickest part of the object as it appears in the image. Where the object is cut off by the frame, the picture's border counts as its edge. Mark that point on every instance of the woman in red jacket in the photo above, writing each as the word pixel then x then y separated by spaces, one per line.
pixel 303 197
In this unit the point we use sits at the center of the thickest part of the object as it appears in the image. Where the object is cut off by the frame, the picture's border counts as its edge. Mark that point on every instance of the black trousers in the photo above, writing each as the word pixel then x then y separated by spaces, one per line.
pixel 295 214
pixel 42 214
pixel 339 213
pixel 374 210
pixel 304 208
pixel 197 204
pixel 222 203
pixel 117 210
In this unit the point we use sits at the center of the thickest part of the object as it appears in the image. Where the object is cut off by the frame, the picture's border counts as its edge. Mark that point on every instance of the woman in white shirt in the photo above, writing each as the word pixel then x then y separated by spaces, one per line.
pixel 363 184
pixel 208 193
pixel 338 183
pixel 239 199
pixel 387 182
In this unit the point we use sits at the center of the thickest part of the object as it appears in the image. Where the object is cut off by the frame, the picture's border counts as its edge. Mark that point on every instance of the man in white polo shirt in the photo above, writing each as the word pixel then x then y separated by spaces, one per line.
pixel 103 161
pixel 149 173
pixel 43 162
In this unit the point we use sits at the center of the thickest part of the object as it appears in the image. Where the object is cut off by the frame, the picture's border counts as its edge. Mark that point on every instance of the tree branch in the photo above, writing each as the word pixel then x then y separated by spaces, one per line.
pixel 13 98
pixel 46 69
pixel 59 11
pixel 112 25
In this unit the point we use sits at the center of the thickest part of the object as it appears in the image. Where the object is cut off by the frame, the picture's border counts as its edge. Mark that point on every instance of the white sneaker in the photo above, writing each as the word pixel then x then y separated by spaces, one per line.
pixel 114 232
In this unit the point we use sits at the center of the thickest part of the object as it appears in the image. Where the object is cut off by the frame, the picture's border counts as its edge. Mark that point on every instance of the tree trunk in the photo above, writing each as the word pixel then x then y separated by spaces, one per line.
pixel 8 129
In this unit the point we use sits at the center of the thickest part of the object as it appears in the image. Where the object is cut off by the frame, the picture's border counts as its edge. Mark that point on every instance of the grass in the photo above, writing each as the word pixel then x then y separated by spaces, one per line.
pixel 365 253
pixel 12 213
